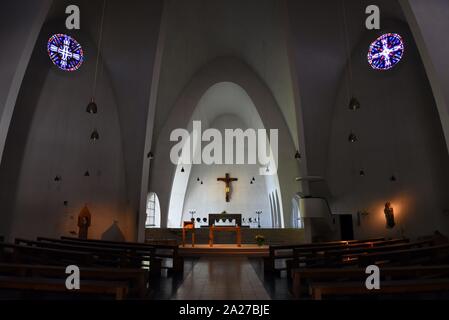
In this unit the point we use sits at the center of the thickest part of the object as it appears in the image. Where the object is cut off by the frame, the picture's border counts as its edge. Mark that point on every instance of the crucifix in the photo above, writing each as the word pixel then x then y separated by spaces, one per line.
pixel 227 180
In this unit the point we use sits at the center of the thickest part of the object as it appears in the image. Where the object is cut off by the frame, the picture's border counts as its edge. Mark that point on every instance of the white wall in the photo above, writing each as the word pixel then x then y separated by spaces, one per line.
pixel 20 24
pixel 246 198
pixel 399 133
pixel 221 70
pixel 49 136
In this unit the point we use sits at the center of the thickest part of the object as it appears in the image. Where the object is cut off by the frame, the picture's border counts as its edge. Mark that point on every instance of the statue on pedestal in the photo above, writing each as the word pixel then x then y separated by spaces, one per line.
pixel 389 215
pixel 84 221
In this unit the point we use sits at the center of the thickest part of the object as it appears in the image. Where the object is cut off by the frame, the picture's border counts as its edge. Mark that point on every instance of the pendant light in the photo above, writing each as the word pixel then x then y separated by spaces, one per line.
pixel 354 104
pixel 352 137
pixel 94 135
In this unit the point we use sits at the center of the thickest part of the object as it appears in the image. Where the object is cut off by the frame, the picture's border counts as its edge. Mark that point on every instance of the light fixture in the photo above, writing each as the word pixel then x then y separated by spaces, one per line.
pixel 254 179
pixel 268 169
pixel 297 155
pixel 354 104
pixel 201 182
pixel 150 155
pixel 198 179
pixel 182 170
pixel 251 182
pixel 94 136
pixel 352 138
pixel 92 107
pixel 87 174
pixel 58 178
pixel 393 178
pixel 362 173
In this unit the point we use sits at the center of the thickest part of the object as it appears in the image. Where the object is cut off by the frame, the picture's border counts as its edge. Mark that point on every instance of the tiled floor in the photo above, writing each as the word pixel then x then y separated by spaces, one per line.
pixel 222 278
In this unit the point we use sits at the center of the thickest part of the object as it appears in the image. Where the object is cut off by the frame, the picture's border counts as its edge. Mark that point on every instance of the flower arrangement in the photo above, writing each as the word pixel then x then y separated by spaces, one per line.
pixel 260 240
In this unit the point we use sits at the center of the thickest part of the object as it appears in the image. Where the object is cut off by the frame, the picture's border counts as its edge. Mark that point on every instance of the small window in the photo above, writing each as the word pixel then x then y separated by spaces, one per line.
pixel 153 211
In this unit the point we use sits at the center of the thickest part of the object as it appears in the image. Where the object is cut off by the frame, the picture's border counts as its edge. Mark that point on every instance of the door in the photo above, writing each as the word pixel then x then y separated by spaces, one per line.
pixel 346 227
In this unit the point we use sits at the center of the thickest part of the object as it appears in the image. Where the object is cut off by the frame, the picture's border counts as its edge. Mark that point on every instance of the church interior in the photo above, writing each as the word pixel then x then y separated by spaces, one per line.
pixel 224 150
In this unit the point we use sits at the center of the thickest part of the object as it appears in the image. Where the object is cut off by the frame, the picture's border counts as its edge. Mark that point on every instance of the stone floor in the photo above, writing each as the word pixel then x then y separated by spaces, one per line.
pixel 222 278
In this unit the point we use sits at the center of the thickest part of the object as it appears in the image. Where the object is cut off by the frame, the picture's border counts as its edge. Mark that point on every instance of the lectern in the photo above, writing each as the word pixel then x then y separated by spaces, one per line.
pixel 188 226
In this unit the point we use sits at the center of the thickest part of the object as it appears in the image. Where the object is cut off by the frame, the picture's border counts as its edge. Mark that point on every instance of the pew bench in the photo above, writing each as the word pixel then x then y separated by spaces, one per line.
pixel 137 256
pixel 320 290
pixel 117 289
pixel 349 255
pixel 302 278
pixel 137 279
pixel 280 254
pixel 162 251
pixel 13 253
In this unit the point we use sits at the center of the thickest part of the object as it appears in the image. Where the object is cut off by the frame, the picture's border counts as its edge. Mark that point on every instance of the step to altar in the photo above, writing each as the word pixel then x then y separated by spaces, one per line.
pixel 272 236
pixel 249 250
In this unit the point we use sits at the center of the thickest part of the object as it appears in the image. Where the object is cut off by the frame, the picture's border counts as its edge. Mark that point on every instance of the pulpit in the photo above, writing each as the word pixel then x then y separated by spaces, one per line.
pixel 188 226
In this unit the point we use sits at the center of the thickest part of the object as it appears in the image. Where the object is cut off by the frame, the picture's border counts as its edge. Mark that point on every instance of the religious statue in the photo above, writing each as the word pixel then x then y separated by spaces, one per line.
pixel 389 215
pixel 227 180
pixel 84 221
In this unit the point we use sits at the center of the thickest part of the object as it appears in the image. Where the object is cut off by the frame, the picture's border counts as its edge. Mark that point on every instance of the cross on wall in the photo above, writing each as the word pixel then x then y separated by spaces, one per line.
pixel 227 180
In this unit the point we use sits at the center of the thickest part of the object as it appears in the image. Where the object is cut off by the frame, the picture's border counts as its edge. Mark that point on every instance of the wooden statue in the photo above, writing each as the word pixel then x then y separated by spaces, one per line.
pixel 227 180
pixel 84 221
pixel 389 215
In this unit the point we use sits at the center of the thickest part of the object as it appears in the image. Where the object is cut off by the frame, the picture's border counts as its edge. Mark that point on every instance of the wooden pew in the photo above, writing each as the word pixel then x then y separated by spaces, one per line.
pixel 285 252
pixel 387 287
pixel 163 251
pixel 137 279
pixel 349 255
pixel 25 254
pixel 117 289
pixel 303 277
pixel 111 257
pixel 438 254
pixel 137 256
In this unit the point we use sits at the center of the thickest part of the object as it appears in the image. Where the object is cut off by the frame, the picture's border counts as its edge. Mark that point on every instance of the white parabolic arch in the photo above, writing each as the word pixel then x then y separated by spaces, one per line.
pixel 221 73
pixel 224 98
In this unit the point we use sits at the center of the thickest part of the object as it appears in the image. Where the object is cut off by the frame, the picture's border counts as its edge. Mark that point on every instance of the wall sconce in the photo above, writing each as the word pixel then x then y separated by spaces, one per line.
pixel 150 155
pixel 297 155
pixel 389 216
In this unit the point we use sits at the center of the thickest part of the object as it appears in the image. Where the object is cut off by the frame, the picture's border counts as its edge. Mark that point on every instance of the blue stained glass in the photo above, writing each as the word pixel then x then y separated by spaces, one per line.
pixel 386 51
pixel 65 52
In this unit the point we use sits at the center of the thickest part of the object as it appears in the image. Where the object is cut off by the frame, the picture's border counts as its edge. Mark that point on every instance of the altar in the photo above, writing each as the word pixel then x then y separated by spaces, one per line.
pixel 230 227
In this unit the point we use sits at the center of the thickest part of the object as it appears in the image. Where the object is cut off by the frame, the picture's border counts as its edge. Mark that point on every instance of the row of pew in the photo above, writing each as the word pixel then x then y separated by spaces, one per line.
pixel 108 269
pixel 338 269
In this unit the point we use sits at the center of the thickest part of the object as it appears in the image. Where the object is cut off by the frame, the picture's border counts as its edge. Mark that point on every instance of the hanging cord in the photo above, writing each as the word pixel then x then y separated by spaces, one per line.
pixel 349 88
pixel 94 172
pixel 100 38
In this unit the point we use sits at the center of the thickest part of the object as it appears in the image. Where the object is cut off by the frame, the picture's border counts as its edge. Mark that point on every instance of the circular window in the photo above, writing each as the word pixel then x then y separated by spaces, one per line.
pixel 386 51
pixel 65 52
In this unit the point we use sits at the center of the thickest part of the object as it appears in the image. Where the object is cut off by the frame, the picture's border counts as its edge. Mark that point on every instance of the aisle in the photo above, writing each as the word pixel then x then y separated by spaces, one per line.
pixel 222 278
